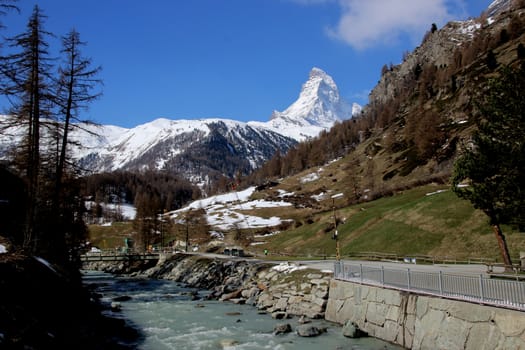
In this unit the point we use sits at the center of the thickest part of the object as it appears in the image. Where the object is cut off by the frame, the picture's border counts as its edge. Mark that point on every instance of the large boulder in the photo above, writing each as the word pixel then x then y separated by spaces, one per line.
pixel 307 330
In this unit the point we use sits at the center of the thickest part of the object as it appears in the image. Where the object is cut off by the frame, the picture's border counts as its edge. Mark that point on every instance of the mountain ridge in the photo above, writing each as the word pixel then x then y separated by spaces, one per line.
pixel 204 150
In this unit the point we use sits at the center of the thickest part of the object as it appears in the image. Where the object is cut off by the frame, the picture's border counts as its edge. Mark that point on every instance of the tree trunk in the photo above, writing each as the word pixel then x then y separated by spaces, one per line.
pixel 503 247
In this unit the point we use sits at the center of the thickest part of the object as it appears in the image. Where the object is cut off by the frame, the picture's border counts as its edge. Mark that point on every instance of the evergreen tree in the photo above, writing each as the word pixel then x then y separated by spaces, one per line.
pixel 27 82
pixel 494 163
pixel 44 106
pixel 76 81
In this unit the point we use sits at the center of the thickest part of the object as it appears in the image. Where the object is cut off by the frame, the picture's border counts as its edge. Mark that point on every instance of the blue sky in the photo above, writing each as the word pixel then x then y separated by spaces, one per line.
pixel 236 59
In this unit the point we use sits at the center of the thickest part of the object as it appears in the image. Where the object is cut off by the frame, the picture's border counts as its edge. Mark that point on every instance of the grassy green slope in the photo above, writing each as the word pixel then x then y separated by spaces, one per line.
pixel 428 220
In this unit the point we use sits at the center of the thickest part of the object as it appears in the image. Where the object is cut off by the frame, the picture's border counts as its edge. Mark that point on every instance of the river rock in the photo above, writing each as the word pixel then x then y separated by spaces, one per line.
pixel 228 343
pixel 282 328
pixel 233 295
pixel 309 331
pixel 115 306
pixel 303 320
pixel 122 298
pixel 351 330
pixel 279 315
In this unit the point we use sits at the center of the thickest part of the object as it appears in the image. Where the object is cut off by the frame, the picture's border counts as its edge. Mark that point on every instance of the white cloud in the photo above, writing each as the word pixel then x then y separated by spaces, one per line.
pixel 361 95
pixel 368 23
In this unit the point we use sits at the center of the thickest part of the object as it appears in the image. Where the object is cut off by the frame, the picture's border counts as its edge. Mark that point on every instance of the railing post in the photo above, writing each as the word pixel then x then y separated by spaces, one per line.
pixel 382 275
pixel 441 283
pixel 408 278
pixel 361 272
pixel 481 292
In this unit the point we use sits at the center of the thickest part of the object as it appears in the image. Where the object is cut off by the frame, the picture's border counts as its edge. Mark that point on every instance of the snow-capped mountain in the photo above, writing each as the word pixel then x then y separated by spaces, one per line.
pixel 318 107
pixel 203 150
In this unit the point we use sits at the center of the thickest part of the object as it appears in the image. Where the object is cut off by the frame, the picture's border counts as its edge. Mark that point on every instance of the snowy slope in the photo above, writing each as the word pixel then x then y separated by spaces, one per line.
pixel 227 211
pixel 119 146
pixel 157 143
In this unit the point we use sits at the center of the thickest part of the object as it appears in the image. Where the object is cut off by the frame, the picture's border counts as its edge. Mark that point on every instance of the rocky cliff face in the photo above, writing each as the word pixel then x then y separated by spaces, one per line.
pixel 437 49
pixel 441 49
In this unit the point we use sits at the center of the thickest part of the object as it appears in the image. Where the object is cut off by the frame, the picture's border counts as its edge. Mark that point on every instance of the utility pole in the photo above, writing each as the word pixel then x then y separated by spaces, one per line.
pixel 161 232
pixel 336 234
pixel 187 231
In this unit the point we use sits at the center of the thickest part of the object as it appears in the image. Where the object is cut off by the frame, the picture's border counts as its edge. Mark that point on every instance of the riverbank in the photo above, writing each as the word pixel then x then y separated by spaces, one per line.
pixel 283 290
pixel 287 290
pixel 41 308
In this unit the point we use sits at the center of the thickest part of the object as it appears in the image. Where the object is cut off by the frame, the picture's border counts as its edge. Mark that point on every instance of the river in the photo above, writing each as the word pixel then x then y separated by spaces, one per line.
pixel 172 316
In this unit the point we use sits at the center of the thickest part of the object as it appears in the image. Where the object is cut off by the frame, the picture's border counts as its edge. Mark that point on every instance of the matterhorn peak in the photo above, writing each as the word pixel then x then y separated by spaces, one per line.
pixel 318 107
pixel 319 75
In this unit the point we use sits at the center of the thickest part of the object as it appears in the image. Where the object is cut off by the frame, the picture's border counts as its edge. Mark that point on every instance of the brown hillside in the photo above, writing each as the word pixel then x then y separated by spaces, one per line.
pixel 418 114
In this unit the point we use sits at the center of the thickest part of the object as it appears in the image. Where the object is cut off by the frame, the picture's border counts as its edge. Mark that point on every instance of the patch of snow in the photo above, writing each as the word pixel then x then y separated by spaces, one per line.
pixel 319 197
pixel 224 212
pixel 288 268
pixel 283 193
pixel 3 249
pixel 128 211
pixel 267 235
pixel 223 198
pixel 471 28
pixel 433 193
pixel 217 235
pixel 261 203
pixel 227 219
pixel 310 178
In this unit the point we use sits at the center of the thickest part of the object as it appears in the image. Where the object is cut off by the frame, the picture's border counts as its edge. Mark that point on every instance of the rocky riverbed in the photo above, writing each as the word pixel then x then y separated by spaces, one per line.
pixel 284 290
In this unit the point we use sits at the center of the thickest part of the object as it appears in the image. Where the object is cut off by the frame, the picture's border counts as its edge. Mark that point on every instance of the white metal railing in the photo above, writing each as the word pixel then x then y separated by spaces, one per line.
pixel 478 289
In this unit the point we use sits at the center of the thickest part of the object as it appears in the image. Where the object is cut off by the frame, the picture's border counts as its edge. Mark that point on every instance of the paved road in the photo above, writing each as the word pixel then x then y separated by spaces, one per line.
pixel 328 265
pixel 459 269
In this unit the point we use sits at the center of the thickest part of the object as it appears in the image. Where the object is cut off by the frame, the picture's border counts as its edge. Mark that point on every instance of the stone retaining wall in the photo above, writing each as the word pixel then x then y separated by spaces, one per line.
pixel 422 322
